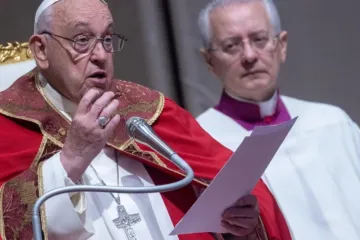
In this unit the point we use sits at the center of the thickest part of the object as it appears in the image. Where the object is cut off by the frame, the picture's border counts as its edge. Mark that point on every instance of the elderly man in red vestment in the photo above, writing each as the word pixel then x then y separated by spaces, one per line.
pixel 51 137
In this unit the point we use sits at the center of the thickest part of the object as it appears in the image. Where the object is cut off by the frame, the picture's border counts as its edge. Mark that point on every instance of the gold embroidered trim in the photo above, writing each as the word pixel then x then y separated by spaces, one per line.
pixel 41 183
pixel 56 142
pixel 35 161
pixel 159 110
pixel 40 152
pixel 150 122
pixel 2 225
pixel 155 157
pixel 42 208
pixel 124 146
pixel 162 164
pixel 129 141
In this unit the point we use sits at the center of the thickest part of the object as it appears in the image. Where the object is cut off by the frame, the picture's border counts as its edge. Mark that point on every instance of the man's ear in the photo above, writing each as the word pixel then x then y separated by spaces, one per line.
pixel 207 58
pixel 38 44
pixel 283 38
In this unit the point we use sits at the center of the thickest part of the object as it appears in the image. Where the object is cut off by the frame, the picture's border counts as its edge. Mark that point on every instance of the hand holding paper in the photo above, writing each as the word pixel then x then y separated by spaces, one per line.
pixel 242 218
pixel 237 179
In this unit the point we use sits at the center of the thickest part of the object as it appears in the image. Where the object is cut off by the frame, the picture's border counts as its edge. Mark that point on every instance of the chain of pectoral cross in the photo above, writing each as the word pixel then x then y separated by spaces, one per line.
pixel 125 220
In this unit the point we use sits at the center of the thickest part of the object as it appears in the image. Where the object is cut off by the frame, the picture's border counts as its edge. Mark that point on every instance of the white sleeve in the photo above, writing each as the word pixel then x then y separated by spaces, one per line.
pixel 66 214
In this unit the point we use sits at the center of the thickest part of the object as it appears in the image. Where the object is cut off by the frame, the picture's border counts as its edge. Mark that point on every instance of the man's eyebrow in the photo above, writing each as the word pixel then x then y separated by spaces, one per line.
pixel 111 25
pixel 230 38
pixel 237 37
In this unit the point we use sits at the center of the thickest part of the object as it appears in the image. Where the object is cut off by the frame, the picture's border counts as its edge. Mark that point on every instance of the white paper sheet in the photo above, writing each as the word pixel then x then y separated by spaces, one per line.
pixel 237 178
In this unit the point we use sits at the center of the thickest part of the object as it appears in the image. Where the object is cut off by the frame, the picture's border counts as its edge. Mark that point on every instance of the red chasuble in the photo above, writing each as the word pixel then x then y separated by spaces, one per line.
pixel 32 131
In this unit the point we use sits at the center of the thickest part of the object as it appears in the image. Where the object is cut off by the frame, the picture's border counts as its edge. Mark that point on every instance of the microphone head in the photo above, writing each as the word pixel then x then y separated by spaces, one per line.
pixel 133 123
pixel 141 131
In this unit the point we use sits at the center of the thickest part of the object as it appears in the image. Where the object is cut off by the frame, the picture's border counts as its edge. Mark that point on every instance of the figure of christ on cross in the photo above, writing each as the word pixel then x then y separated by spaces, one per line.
pixel 126 221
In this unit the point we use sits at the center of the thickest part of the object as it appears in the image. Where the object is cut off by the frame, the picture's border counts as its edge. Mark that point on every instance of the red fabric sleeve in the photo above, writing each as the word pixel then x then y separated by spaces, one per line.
pixel 18 148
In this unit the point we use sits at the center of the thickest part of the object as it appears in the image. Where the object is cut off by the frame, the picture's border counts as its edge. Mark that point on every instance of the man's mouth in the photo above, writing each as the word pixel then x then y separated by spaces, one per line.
pixel 252 73
pixel 98 75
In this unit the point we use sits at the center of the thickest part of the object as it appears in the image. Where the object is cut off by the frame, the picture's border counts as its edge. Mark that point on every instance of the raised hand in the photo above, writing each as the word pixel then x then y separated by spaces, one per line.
pixel 87 136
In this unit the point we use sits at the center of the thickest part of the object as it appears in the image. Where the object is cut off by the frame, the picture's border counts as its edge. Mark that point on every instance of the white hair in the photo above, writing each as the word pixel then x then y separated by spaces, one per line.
pixel 44 22
pixel 204 17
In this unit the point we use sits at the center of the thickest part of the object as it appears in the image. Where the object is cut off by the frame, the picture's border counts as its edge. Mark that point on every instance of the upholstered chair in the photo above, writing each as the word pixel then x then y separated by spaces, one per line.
pixel 15 60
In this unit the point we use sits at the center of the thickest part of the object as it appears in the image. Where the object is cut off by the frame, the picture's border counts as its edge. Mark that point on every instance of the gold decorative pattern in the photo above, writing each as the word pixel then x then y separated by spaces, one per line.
pixel 15 52
pixel 137 103
pixel 2 226
pixel 40 152
pixel 23 191
pixel 27 193
pixel 135 150
pixel 42 208
pixel 144 154
pixel 159 109
pixel 18 198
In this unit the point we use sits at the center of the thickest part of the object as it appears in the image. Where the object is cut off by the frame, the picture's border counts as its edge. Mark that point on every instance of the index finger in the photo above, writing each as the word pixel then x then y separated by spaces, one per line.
pixel 87 100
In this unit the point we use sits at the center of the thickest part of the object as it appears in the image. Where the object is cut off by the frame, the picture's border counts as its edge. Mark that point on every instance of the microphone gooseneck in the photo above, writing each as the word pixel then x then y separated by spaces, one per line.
pixel 143 133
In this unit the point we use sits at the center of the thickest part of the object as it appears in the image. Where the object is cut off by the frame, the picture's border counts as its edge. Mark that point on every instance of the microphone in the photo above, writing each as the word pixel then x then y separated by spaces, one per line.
pixel 142 132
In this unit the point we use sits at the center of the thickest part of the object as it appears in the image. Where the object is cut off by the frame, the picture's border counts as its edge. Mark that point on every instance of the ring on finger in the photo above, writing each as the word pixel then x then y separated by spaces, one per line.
pixel 103 121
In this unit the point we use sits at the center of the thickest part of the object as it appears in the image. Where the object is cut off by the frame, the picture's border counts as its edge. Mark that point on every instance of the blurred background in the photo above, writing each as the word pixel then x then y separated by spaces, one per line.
pixel 163 48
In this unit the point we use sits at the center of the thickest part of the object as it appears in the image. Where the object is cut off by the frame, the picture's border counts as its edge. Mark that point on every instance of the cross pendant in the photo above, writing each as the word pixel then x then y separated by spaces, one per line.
pixel 125 221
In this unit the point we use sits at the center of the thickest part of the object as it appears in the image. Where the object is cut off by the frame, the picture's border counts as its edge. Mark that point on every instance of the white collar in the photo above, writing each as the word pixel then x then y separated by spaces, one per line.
pixel 61 103
pixel 267 108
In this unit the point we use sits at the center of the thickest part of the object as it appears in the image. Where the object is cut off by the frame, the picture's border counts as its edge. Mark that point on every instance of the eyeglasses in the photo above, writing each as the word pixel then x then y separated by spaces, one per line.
pixel 257 42
pixel 85 43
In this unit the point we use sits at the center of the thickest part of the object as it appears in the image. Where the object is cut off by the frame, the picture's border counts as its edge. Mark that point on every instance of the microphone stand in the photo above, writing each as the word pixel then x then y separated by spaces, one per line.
pixel 36 221
pixel 140 130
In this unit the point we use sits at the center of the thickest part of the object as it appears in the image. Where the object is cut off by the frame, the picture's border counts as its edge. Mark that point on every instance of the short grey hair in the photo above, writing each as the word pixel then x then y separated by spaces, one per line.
pixel 44 22
pixel 204 17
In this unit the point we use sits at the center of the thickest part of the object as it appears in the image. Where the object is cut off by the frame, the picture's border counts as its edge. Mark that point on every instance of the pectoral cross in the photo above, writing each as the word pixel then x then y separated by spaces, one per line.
pixel 125 221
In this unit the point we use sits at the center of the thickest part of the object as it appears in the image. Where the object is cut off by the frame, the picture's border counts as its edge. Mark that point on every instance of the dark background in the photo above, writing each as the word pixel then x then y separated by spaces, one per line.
pixel 162 51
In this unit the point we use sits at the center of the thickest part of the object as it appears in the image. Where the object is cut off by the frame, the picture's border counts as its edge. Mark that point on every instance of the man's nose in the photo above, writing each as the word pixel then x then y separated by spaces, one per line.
pixel 249 55
pixel 99 54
